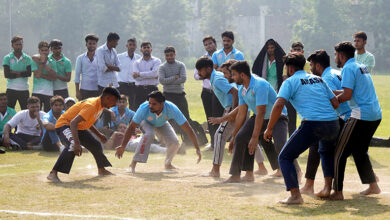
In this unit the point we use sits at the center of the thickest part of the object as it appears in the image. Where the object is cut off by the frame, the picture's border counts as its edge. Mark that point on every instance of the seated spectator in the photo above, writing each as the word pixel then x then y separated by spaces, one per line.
pixel 29 126
pixel 121 113
pixel 69 102
pixel 6 113
pixel 50 139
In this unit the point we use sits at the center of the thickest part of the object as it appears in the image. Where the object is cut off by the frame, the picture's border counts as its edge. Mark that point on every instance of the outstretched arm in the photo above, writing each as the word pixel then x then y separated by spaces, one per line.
pixel 188 130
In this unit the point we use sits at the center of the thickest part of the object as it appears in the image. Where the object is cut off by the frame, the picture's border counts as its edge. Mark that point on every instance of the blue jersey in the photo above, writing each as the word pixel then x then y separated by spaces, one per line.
pixel 309 95
pixel 221 87
pixel 219 57
pixel 49 117
pixel 126 118
pixel 170 111
pixel 332 78
pixel 259 92
pixel 355 76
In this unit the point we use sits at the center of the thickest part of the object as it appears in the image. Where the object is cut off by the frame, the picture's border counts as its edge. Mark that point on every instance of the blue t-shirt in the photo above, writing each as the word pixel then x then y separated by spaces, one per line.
pixel 310 96
pixel 219 56
pixel 355 76
pixel 332 78
pixel 221 87
pixel 170 111
pixel 259 92
pixel 126 118
pixel 49 117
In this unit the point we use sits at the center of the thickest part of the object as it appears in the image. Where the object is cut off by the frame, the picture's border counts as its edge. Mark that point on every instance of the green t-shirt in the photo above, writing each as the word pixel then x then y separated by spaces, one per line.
pixel 272 75
pixel 4 119
pixel 19 84
pixel 63 66
pixel 367 59
pixel 41 85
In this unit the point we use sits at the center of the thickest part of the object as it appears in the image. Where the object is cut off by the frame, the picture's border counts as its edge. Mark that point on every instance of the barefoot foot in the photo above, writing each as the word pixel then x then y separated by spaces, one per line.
pixel 52 177
pixel 233 179
pixel 338 195
pixel 292 200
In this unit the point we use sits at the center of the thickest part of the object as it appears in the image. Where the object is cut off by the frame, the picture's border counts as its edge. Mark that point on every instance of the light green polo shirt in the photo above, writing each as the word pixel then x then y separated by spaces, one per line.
pixel 367 59
pixel 5 118
pixel 19 84
pixel 63 66
pixel 272 77
pixel 41 85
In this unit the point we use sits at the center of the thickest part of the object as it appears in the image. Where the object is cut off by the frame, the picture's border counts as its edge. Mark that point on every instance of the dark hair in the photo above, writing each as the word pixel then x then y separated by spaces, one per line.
pixel 204 62
pixel 145 43
pixel 132 40
pixel 57 98
pixel 112 36
pixel 360 34
pixel 123 97
pixel 295 59
pixel 297 44
pixel 55 43
pixel 157 95
pixel 169 49
pixel 91 37
pixel 228 34
pixel 209 37
pixel 346 48
pixel 3 94
pixel 111 91
pixel 241 67
pixel 43 44
pixel 33 100
pixel 271 41
pixel 16 39
pixel 321 57
pixel 228 64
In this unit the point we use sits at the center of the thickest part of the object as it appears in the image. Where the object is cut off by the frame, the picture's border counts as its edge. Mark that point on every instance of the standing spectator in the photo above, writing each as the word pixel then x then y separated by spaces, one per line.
pixel 64 69
pixel 44 69
pixel 227 52
pixel 125 76
pixel 87 69
pixel 6 114
pixel 50 140
pixel 108 62
pixel 145 73
pixel 361 55
pixel 17 69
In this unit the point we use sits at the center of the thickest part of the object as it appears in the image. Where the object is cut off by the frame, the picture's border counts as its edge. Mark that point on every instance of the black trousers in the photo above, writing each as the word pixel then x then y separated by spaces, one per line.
pixel 24 139
pixel 128 89
pixel 85 94
pixel 142 93
pixel 65 160
pixel 179 99
pixel 47 143
pixel 292 118
pixel 62 92
pixel 212 108
pixel 14 95
pixel 45 101
pixel 242 160
pixel 313 160
pixel 354 140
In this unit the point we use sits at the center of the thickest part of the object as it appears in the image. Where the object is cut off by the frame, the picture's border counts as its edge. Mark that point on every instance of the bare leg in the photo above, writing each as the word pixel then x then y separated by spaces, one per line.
pixel 325 192
pixel 132 166
pixel 53 177
pixel 308 188
pixel 295 197
pixel 262 170
pixel 214 171
pixel 249 177
pixel 373 188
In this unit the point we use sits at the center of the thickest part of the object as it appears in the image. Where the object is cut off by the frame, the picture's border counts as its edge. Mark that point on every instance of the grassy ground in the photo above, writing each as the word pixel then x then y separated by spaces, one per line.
pixel 155 194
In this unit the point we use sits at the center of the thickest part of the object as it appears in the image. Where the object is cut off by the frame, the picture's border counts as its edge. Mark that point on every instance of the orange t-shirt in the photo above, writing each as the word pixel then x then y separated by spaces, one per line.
pixel 89 109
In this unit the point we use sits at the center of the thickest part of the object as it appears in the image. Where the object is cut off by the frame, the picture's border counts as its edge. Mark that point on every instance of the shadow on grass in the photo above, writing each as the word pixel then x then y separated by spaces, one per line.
pixel 159 176
pixel 83 184
pixel 357 206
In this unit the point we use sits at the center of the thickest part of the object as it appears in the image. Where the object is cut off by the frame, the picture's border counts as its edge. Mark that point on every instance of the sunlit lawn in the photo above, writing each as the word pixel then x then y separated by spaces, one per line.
pixel 153 193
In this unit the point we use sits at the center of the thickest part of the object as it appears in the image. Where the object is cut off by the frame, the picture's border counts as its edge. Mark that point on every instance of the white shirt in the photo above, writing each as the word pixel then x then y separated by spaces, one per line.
pixel 87 70
pixel 148 71
pixel 126 67
pixel 105 56
pixel 26 124
pixel 206 82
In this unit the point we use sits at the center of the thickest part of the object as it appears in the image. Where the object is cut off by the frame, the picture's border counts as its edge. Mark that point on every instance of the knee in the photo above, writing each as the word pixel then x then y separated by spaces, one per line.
pixel 148 135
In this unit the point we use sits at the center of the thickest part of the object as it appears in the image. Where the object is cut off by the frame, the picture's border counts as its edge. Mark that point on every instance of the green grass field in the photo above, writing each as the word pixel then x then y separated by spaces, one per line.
pixel 153 193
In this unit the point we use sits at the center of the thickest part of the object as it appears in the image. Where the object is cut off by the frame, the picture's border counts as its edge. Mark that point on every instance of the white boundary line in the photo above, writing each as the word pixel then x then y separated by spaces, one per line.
pixel 63 215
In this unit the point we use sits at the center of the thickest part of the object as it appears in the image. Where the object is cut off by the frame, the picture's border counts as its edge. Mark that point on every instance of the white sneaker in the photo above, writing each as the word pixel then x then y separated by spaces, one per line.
pixel 208 148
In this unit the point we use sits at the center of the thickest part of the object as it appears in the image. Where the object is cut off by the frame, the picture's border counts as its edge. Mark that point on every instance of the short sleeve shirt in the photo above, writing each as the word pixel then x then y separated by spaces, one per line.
pixel 126 118
pixel 170 111
pixel 40 85
pixel 89 109
pixel 309 95
pixel 259 92
pixel 26 124
pixel 355 76
pixel 49 117
pixel 4 119
pixel 221 87
pixel 219 57
pixel 18 65
pixel 367 59
pixel 63 66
